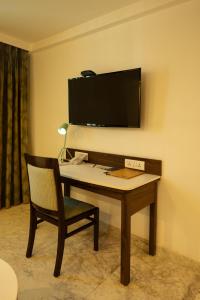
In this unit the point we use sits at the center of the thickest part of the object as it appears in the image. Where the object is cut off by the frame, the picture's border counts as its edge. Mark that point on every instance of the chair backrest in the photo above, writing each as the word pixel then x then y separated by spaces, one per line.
pixel 44 182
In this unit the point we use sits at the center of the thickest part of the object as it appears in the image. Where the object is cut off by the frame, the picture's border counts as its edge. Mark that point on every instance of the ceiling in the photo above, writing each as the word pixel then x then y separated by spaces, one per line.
pixel 34 20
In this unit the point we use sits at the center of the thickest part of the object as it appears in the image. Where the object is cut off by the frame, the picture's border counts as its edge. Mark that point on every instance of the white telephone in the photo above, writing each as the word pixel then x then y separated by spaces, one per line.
pixel 78 159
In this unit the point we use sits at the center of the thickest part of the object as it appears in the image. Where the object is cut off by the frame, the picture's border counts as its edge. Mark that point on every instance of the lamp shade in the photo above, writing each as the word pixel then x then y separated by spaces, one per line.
pixel 63 129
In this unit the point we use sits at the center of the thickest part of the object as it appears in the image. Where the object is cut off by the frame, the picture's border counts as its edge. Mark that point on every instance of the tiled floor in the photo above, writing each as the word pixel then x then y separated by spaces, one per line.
pixel 91 275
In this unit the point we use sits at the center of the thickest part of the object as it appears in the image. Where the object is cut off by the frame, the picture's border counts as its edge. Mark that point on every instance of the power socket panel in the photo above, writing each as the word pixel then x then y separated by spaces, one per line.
pixel 135 164
pixel 77 153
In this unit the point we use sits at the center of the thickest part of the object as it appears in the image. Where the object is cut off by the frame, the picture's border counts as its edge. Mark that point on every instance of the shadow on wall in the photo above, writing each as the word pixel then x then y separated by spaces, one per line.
pixel 155 90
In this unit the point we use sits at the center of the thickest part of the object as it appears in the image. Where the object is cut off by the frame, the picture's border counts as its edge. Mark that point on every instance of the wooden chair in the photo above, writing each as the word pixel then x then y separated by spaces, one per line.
pixel 48 204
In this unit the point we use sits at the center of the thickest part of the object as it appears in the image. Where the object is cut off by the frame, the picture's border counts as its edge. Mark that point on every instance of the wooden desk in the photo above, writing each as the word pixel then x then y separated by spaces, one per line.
pixel 134 194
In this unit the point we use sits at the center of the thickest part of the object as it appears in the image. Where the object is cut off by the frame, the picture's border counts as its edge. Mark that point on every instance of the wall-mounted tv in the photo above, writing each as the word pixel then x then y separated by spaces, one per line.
pixel 106 100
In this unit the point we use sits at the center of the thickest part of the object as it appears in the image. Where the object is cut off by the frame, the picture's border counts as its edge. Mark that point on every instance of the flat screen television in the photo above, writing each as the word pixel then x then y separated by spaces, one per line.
pixel 106 100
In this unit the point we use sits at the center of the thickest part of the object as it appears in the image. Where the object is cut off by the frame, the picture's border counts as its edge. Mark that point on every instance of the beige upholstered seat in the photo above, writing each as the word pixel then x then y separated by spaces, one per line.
pixel 48 204
pixel 73 207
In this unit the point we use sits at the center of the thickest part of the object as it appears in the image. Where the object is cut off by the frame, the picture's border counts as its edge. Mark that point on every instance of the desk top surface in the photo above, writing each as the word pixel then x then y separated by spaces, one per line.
pixel 93 175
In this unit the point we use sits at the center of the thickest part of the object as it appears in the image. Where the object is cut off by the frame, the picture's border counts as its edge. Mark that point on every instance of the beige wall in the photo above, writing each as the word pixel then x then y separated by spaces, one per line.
pixel 166 45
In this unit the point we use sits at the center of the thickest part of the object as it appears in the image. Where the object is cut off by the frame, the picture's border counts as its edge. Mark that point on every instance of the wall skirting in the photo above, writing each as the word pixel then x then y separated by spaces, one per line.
pixel 136 10
pixel 7 39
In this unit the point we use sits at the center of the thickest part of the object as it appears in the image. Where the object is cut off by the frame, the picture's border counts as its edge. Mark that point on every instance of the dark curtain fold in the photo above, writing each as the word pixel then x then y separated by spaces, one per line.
pixel 14 74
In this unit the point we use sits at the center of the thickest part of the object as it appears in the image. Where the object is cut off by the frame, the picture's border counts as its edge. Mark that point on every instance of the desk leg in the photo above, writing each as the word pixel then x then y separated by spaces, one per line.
pixel 125 244
pixel 66 189
pixel 153 224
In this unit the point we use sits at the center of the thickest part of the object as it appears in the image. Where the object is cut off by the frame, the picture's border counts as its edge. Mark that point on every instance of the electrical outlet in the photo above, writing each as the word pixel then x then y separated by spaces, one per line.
pixel 135 164
pixel 77 153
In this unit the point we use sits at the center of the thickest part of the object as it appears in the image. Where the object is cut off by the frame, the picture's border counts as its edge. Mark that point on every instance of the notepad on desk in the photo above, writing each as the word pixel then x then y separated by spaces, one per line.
pixel 125 173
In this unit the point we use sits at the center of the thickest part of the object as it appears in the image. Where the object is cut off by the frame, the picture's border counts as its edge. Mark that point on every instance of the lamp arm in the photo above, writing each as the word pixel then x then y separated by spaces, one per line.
pixel 66 147
pixel 65 141
pixel 61 153
pixel 69 153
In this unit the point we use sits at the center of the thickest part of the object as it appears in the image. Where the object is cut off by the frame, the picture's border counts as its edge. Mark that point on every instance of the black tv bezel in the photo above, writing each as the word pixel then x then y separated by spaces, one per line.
pixel 103 125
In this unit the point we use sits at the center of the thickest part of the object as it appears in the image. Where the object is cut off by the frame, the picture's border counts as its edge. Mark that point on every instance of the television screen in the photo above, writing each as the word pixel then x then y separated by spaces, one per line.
pixel 106 100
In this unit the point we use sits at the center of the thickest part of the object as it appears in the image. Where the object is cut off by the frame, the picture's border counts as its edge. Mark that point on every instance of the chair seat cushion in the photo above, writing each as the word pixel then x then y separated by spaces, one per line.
pixel 75 207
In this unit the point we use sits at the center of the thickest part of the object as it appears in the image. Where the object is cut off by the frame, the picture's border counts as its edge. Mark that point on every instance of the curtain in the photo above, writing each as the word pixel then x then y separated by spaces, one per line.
pixel 14 74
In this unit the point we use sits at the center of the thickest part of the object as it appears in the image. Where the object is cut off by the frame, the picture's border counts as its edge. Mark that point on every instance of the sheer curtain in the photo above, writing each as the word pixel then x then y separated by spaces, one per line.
pixel 14 73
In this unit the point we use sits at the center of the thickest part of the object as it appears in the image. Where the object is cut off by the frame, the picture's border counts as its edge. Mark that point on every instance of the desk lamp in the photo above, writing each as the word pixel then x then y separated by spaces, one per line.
pixel 63 131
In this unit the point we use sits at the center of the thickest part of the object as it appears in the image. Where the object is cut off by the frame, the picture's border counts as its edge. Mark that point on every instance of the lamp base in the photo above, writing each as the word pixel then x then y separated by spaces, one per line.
pixel 62 156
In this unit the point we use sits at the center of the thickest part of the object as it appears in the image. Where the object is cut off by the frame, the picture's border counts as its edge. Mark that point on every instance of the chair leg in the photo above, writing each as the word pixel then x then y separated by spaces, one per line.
pixel 32 229
pixel 60 250
pixel 96 229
